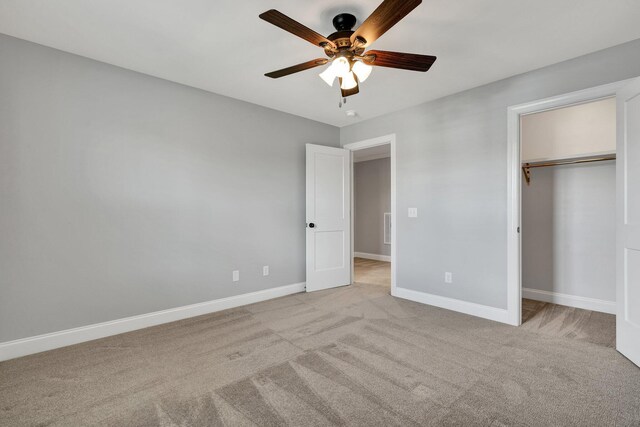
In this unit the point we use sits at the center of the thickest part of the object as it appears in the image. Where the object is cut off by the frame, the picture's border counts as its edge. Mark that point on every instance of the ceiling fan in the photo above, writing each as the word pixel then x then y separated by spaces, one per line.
pixel 345 49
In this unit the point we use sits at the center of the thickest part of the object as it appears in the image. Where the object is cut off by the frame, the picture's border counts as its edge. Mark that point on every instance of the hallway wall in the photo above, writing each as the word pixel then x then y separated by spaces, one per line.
pixel 372 187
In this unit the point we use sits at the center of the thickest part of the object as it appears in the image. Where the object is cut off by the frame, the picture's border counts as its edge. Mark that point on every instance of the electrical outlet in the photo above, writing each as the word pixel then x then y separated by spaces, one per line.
pixel 448 277
pixel 265 270
pixel 236 275
pixel 413 212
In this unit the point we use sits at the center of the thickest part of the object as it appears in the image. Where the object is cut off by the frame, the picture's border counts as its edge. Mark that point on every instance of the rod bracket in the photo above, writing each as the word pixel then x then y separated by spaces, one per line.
pixel 526 172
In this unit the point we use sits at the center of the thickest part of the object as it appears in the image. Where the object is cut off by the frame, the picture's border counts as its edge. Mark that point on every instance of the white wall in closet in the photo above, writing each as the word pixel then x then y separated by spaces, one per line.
pixel 568 212
pixel 570 132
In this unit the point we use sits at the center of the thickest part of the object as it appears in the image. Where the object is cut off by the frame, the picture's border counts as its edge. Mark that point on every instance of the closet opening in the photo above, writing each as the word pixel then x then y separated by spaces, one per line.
pixel 568 221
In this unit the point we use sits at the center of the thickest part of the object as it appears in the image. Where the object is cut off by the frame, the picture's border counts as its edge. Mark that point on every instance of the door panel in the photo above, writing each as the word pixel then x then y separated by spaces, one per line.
pixel 329 182
pixel 632 298
pixel 329 250
pixel 328 209
pixel 628 227
pixel 632 167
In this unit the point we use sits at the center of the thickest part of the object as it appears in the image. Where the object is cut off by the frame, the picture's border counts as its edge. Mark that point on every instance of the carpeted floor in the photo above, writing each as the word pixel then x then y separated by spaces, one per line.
pixel 346 356
pixel 568 322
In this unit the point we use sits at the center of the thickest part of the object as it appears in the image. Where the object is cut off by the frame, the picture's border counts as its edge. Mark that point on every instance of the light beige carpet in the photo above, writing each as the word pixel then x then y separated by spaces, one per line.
pixel 568 322
pixel 347 356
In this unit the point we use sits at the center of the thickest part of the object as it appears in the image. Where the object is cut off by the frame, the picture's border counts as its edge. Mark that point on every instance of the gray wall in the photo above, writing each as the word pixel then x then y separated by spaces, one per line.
pixel 569 230
pixel 372 188
pixel 123 194
pixel 452 166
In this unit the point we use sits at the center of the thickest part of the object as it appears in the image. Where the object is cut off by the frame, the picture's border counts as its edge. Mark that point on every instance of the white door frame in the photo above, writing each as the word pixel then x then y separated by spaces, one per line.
pixel 514 178
pixel 374 142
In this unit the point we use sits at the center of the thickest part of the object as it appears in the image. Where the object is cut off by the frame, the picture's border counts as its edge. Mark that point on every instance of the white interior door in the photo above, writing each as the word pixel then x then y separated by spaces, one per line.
pixel 628 227
pixel 328 217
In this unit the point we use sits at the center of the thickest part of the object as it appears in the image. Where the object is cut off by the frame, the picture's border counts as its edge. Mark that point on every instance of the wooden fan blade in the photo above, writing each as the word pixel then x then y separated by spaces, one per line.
pixel 297 68
pixel 405 61
pixel 294 27
pixel 388 14
pixel 349 92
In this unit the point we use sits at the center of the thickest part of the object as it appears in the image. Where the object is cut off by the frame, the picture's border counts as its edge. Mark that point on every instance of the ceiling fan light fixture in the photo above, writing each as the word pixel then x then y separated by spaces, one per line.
pixel 341 67
pixel 348 82
pixel 362 70
pixel 328 75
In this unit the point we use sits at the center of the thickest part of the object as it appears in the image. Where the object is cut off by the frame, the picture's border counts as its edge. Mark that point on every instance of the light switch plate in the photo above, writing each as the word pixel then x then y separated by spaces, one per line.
pixel 236 275
pixel 413 212
pixel 265 270
pixel 448 277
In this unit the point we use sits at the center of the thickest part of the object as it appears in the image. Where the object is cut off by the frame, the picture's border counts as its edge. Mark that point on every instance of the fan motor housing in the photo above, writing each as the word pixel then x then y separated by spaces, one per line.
pixel 341 38
pixel 344 22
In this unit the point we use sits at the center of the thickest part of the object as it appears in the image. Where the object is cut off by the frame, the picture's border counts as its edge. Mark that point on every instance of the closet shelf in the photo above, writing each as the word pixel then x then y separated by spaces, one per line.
pixel 527 166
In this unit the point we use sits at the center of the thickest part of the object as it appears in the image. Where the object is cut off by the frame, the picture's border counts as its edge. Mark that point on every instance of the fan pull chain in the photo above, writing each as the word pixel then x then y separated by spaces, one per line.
pixel 343 100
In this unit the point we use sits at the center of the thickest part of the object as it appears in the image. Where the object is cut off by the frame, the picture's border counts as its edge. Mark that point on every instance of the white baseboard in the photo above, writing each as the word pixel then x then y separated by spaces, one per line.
pixel 593 304
pixel 479 310
pixel 376 257
pixel 36 344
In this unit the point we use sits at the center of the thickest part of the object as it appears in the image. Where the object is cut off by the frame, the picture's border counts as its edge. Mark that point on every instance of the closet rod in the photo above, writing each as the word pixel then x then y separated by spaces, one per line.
pixel 526 167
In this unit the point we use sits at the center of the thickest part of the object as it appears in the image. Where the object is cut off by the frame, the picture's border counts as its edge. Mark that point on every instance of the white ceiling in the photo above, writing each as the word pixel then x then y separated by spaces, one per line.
pixel 223 47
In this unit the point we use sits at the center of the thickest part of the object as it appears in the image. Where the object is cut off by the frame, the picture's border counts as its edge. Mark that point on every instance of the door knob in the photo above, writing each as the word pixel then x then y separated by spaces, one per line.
pixel 311 225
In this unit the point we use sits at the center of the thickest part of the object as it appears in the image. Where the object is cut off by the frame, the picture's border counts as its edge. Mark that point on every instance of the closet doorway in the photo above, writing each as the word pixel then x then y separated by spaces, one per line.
pixel 627 218
pixel 568 221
